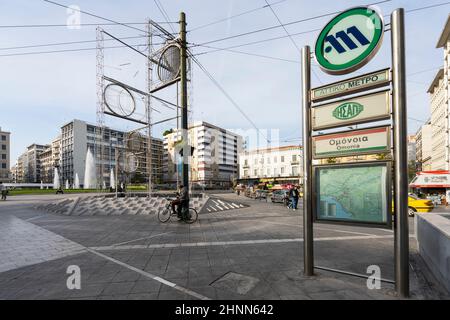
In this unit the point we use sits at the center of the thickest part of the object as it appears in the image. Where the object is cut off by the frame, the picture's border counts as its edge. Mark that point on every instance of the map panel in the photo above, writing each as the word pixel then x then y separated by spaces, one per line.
pixel 356 194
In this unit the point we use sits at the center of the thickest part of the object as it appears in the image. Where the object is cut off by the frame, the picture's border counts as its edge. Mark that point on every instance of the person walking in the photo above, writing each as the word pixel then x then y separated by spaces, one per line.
pixel 3 191
pixel 294 195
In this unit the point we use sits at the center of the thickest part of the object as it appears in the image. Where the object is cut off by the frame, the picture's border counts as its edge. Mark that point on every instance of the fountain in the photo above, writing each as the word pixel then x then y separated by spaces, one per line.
pixel 56 183
pixel 76 182
pixel 42 185
pixel 90 179
pixel 112 180
pixel 67 184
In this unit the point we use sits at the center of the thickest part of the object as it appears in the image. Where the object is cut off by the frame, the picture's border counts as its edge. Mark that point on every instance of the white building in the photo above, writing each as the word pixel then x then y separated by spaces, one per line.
pixel 440 108
pixel 29 164
pixel 4 155
pixel 77 136
pixel 50 158
pixel 412 148
pixel 214 161
pixel 424 147
pixel 281 164
pixel 439 122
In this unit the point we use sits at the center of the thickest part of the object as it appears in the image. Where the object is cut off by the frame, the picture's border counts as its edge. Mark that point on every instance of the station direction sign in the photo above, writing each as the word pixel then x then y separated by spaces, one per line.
pixel 352 143
pixel 365 82
pixel 352 111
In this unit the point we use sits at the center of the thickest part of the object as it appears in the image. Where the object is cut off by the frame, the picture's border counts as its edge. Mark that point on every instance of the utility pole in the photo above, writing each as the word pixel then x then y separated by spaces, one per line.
pixel 184 101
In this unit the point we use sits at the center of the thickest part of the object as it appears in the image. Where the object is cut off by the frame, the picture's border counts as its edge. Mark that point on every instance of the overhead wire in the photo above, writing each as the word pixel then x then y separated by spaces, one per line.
pixel 234 16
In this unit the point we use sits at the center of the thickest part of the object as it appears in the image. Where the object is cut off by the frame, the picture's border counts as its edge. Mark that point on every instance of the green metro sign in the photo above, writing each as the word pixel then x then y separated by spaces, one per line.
pixel 349 40
pixel 348 110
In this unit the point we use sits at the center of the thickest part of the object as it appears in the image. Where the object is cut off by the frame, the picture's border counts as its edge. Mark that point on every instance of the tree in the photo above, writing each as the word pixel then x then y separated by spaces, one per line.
pixel 412 170
pixel 138 177
pixel 165 133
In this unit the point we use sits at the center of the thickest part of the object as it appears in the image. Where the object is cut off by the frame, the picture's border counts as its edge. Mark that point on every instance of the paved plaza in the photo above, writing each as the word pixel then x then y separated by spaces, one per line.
pixel 255 252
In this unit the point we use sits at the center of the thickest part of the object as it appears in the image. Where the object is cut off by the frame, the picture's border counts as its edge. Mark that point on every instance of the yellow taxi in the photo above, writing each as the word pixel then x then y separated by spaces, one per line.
pixel 415 204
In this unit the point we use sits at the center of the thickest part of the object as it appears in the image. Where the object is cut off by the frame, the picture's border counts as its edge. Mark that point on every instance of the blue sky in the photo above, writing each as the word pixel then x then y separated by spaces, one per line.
pixel 42 92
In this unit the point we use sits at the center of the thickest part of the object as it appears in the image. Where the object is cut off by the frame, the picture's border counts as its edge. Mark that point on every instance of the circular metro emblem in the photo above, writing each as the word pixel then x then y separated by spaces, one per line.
pixel 349 40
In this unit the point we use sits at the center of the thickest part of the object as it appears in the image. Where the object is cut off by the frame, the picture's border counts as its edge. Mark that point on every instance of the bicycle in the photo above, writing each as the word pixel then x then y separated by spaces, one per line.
pixel 165 214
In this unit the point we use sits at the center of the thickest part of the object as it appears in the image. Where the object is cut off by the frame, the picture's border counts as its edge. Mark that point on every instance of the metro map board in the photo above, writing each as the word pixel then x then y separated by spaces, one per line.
pixel 353 194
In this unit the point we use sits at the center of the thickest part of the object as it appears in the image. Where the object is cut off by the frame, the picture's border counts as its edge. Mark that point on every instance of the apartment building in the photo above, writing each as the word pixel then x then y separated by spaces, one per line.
pixel 439 122
pixel 424 147
pixel 4 155
pixel 78 136
pixel 440 109
pixel 50 159
pixel 29 169
pixel 280 165
pixel 214 160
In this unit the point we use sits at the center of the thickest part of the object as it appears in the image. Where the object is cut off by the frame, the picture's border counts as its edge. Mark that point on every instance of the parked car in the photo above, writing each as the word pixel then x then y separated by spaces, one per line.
pixel 280 196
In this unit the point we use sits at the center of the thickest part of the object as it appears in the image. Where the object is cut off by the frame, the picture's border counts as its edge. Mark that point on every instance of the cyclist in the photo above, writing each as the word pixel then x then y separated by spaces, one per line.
pixel 181 202
pixel 177 203
pixel 183 208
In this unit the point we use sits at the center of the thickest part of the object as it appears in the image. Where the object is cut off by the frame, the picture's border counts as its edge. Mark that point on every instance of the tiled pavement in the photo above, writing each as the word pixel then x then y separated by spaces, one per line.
pixel 132 257
pixel 23 243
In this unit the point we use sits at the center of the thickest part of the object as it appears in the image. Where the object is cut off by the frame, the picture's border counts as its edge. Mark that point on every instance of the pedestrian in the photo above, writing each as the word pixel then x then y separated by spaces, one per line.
pixel 3 191
pixel 295 196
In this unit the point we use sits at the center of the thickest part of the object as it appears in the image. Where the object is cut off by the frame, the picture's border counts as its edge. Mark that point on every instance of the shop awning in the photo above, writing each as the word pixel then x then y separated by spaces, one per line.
pixel 431 179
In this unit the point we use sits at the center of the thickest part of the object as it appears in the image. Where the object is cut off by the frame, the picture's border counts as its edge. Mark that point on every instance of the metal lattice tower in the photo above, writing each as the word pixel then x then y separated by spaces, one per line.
pixel 148 108
pixel 100 67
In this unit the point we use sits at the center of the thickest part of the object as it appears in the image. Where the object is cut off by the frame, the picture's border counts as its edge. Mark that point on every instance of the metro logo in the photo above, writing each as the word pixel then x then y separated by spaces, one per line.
pixel 344 36
pixel 349 40
pixel 348 110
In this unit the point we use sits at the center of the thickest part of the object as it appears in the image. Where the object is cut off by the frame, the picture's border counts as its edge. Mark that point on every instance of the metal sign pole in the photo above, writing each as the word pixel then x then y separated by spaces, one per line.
pixel 400 152
pixel 308 255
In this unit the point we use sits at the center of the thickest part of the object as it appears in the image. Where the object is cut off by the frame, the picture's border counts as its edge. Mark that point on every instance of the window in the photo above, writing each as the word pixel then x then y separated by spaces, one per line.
pixel 3 146
pixel 275 172
pixel 282 170
pixel 246 162
pixel 282 158
pixel 245 173
pixel 268 160
pixel 3 165
pixel 268 172
pixel 295 171
pixel 3 138
pixel 255 172
pixel 294 158
pixel 3 156
pixel 275 160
